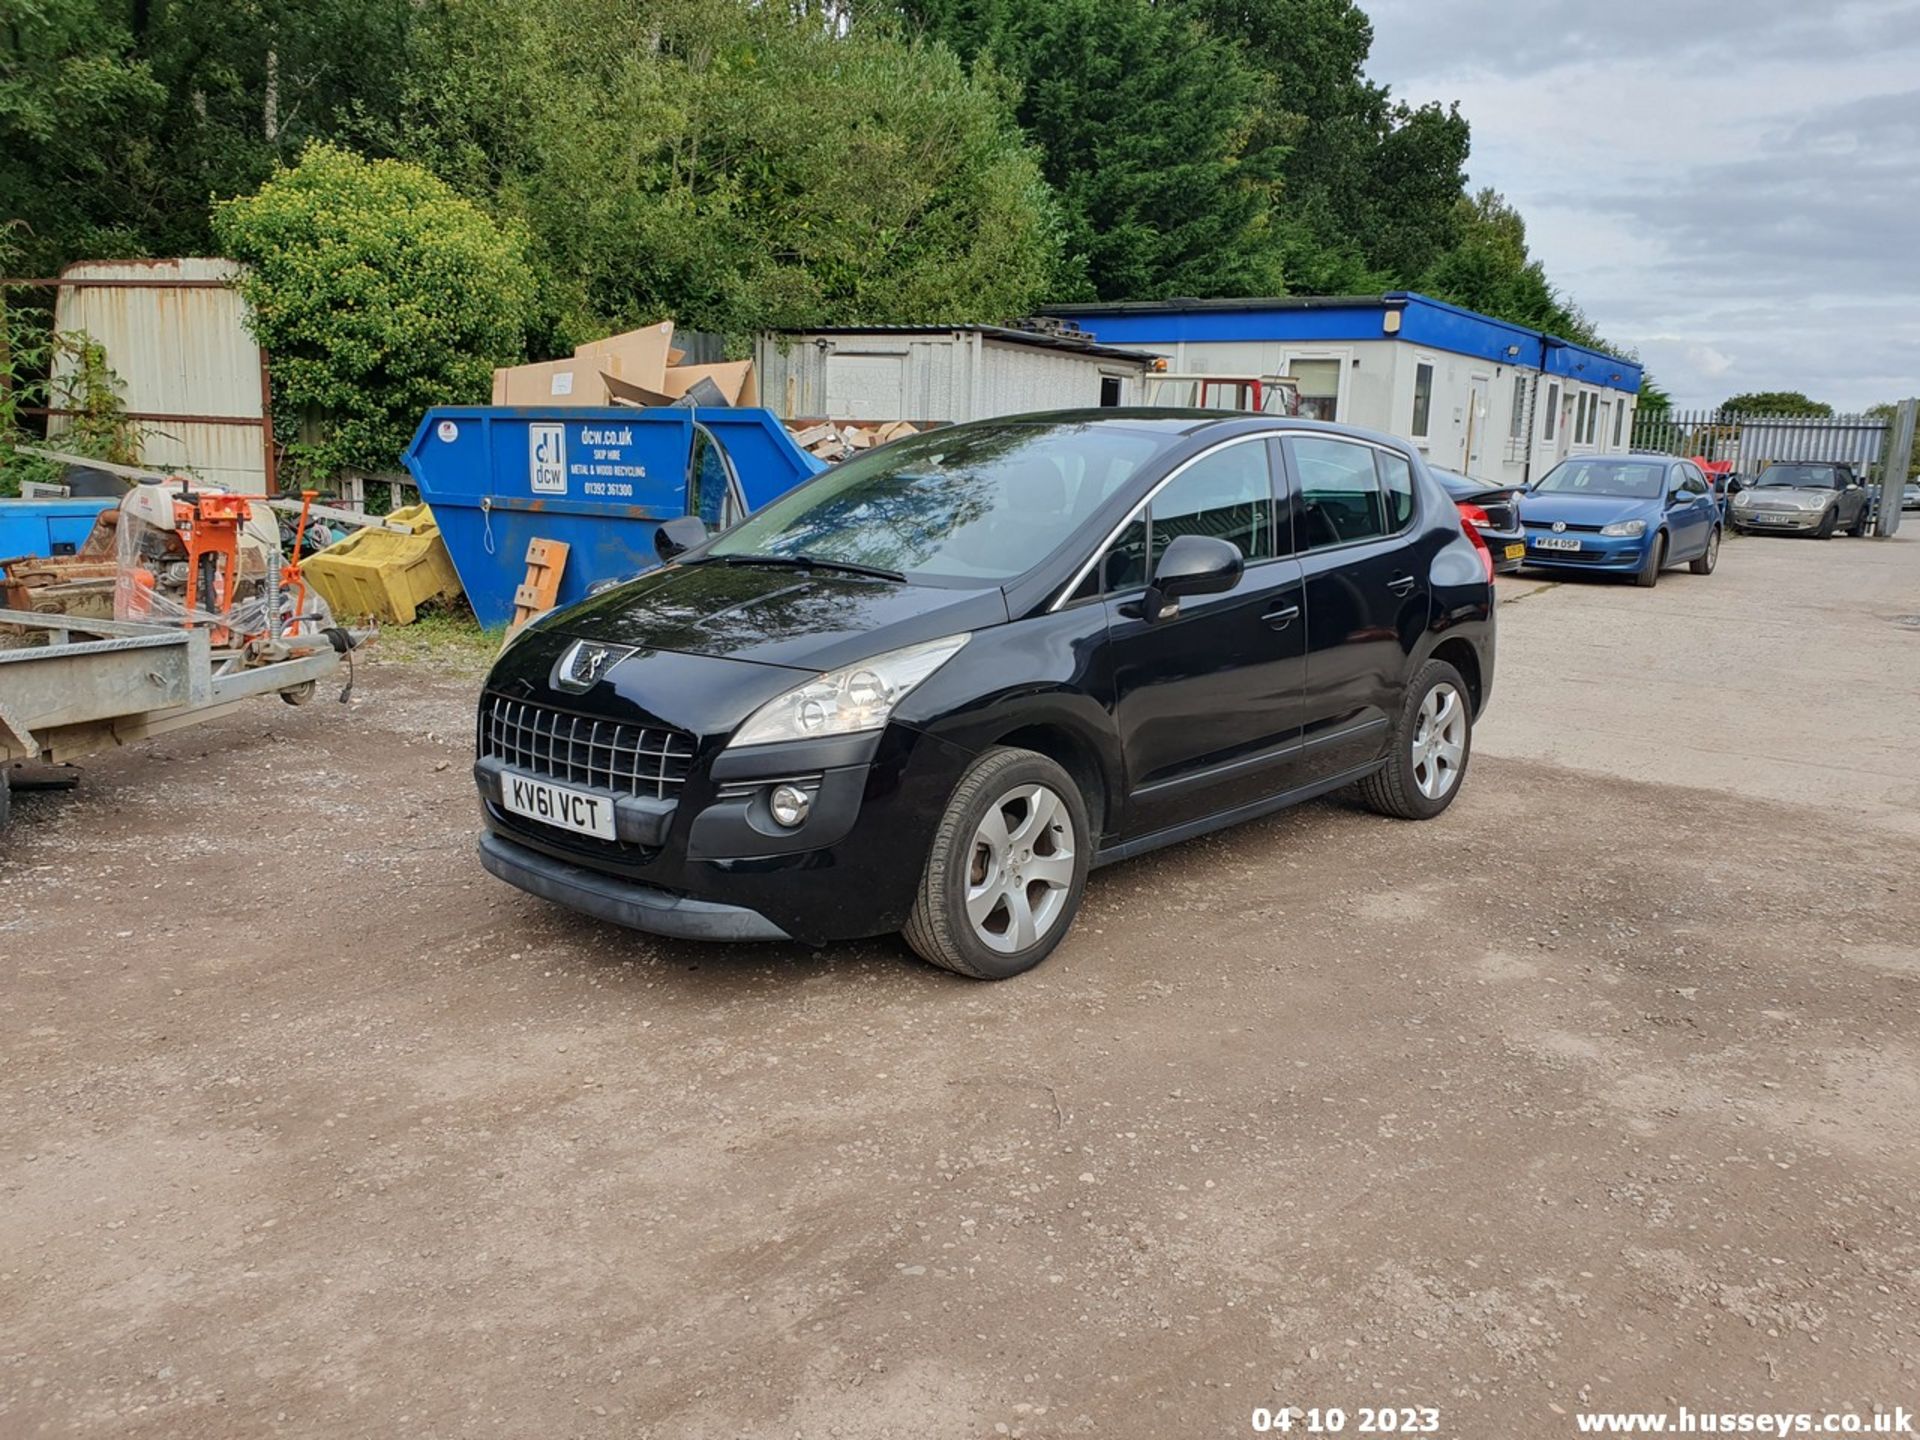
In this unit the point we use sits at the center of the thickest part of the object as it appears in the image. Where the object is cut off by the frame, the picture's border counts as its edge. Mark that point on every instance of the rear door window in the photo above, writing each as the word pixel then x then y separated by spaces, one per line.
pixel 1341 501
pixel 1396 487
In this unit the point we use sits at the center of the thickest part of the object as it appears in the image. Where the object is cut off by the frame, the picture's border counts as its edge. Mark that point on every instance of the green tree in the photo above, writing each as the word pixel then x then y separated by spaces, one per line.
pixel 1369 185
pixel 1776 402
pixel 732 166
pixel 76 107
pixel 378 293
pixel 1150 130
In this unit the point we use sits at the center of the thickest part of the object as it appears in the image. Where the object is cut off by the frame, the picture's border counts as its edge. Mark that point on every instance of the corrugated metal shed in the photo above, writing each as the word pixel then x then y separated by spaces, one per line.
pixel 940 374
pixel 175 333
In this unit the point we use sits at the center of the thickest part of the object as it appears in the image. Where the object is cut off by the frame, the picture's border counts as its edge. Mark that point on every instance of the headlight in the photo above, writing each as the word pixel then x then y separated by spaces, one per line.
pixel 1627 528
pixel 847 701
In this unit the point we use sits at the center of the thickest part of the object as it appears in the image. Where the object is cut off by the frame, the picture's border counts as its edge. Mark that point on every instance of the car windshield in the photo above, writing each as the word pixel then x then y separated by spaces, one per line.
pixel 1805 477
pixel 971 504
pixel 1620 479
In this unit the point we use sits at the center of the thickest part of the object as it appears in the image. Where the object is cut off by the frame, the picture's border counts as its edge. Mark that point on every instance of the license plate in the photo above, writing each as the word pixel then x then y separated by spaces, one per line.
pixel 1555 542
pixel 580 811
pixel 1776 520
pixel 1516 552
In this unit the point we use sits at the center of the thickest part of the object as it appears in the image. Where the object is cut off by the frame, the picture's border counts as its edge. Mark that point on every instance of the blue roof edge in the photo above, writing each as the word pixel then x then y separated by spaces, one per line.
pixel 1623 366
pixel 1437 324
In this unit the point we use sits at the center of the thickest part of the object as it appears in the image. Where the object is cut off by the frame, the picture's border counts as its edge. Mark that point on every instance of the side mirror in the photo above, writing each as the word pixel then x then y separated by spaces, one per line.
pixel 678 535
pixel 1193 565
pixel 1675 497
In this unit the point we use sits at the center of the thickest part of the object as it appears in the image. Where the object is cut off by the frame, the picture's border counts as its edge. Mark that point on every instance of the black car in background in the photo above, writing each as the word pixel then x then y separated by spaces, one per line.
pixel 930 689
pixel 1813 497
pixel 1493 511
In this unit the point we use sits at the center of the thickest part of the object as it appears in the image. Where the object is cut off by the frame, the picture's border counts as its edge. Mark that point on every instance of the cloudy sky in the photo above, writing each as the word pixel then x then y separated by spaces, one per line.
pixel 1730 186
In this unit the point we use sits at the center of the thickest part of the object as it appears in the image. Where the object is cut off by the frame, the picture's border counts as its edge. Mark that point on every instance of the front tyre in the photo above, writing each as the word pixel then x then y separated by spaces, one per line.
pixel 1007 868
pixel 1710 557
pixel 1431 746
pixel 1648 575
pixel 1829 522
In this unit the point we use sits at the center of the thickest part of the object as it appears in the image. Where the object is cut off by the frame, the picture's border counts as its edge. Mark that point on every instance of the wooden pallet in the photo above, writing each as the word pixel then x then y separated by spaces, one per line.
pixel 536 594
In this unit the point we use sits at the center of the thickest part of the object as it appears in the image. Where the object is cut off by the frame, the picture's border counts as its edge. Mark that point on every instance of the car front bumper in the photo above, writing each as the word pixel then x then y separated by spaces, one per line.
pixel 1622 553
pixel 1785 522
pixel 716 868
pixel 622 902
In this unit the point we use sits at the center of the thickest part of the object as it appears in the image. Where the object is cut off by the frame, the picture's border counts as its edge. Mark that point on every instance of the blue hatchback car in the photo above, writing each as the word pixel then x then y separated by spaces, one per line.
pixel 1629 514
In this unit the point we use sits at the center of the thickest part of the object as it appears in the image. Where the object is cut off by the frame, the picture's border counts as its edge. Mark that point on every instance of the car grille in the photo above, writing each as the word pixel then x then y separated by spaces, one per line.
pixel 1546 527
pixel 1573 557
pixel 644 760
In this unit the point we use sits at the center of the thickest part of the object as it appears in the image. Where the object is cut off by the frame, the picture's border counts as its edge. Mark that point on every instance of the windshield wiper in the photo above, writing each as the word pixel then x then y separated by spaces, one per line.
pixel 813 562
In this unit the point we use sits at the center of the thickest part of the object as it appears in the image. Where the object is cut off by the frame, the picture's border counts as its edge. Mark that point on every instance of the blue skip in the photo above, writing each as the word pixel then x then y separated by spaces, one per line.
pixel 48 527
pixel 601 481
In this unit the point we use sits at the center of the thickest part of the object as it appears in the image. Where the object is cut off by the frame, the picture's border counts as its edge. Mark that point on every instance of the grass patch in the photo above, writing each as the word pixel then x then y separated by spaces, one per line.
pixel 445 636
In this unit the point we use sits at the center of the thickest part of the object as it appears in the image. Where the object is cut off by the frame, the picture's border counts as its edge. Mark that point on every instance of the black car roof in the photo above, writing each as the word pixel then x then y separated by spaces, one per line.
pixel 1171 422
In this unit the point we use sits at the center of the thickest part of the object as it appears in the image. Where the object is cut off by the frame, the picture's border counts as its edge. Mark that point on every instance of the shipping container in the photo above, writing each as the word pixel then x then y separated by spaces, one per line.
pixel 941 375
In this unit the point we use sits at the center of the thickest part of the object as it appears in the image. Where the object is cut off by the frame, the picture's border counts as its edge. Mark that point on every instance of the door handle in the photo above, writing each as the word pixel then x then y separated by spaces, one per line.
pixel 1281 616
pixel 1401 584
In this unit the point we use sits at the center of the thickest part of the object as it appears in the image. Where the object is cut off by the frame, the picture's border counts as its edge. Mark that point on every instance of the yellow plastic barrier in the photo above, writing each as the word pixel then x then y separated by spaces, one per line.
pixel 384 573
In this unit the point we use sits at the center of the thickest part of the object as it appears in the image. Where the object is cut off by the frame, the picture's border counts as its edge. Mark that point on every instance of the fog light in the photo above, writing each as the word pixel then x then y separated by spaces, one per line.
pixel 790 805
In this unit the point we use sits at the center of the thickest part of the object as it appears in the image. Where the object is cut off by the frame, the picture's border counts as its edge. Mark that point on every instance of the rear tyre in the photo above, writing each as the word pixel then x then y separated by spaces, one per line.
pixel 1711 556
pixel 1432 744
pixel 1007 869
pixel 1648 574
pixel 1829 522
pixel 1859 527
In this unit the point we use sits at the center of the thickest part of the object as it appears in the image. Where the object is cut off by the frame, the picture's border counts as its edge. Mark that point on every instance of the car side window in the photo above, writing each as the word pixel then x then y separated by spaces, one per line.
pixel 1227 494
pixel 1340 493
pixel 1396 485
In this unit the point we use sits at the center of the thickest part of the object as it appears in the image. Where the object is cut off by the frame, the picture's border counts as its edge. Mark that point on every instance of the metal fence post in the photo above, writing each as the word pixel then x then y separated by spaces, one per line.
pixel 1893 474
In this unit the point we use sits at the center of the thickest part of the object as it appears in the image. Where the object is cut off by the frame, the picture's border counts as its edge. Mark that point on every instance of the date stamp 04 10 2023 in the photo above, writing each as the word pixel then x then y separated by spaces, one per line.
pixel 1335 1420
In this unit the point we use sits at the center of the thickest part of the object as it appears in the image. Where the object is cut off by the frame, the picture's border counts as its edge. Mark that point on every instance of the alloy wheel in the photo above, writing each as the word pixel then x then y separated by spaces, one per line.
pixel 1020 868
pixel 1439 741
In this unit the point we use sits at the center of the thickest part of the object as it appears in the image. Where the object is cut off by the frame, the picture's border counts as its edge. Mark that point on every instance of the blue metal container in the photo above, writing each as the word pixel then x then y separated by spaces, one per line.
pixel 48 527
pixel 601 481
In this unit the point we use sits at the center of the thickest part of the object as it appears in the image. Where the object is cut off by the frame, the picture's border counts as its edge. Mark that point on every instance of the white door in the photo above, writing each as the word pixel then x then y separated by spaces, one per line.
pixel 1479 395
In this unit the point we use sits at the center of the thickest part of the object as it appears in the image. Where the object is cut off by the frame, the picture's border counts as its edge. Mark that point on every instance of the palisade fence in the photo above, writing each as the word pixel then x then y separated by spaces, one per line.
pixel 1751 442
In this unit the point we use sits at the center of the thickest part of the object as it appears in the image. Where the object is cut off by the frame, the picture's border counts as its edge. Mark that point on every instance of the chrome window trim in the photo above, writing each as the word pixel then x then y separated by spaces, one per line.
pixel 1407 528
pixel 1074 581
pixel 1282 434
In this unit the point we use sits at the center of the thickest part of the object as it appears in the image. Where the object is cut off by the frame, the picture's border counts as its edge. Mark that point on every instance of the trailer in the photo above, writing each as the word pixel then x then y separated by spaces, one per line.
pixel 80 685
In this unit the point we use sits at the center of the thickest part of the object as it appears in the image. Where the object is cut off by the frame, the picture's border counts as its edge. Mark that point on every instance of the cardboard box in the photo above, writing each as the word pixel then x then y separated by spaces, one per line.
pixel 734 380
pixel 734 377
pixel 550 382
pixel 640 357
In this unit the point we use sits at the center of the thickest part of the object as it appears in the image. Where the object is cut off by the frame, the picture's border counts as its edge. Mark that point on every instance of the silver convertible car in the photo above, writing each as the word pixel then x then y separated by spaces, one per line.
pixel 1815 497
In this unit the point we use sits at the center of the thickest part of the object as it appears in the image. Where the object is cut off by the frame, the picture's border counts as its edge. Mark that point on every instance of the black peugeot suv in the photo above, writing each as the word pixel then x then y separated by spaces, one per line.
pixel 929 690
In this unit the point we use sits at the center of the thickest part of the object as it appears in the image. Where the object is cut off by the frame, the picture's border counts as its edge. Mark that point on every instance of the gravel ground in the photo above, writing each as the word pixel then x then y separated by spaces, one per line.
pixel 1599 1091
